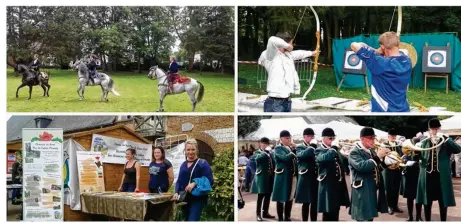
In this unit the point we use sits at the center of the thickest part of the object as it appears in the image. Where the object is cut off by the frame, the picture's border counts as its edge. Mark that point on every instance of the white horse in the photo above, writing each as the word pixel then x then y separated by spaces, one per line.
pixel 191 87
pixel 106 83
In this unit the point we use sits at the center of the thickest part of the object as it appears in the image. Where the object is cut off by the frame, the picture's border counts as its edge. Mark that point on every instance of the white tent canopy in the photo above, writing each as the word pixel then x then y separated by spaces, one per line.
pixel 271 129
pixel 451 123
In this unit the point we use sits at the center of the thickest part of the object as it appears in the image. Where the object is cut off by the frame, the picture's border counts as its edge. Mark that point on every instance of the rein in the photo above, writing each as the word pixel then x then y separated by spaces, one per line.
pixel 161 84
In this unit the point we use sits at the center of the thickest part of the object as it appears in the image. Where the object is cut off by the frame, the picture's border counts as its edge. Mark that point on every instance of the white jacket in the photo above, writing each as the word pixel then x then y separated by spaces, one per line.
pixel 282 78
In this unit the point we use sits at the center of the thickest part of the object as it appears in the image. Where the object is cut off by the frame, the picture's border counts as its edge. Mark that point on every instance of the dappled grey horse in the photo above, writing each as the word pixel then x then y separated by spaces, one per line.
pixel 191 87
pixel 103 80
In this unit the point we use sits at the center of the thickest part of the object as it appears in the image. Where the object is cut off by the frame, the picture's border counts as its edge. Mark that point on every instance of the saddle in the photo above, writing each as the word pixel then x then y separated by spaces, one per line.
pixel 178 79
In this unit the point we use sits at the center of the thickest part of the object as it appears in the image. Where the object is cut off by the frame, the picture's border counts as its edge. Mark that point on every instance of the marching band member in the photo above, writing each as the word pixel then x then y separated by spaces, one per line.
pixel 285 176
pixel 332 193
pixel 307 189
pixel 435 182
pixel 366 166
pixel 392 177
pixel 264 178
pixel 410 181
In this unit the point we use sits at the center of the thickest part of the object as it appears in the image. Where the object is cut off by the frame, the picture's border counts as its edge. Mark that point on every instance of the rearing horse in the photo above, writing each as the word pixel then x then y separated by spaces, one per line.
pixel 30 79
pixel 191 87
pixel 106 83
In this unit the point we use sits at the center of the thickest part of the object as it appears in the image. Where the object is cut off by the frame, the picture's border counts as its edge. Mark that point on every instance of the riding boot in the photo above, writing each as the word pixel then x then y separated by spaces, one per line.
pixel 280 210
pixel 170 85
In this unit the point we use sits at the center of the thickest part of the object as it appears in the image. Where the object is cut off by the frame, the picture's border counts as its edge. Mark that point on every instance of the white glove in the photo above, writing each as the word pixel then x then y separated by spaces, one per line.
pixel 335 143
pixel 410 163
pixel 314 141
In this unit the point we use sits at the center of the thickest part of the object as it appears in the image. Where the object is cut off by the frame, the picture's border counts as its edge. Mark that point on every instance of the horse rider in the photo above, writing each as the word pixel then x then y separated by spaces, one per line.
pixel 35 67
pixel 172 72
pixel 92 67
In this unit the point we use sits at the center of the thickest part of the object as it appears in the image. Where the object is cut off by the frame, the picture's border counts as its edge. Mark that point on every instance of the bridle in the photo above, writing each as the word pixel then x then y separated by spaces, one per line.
pixel 155 77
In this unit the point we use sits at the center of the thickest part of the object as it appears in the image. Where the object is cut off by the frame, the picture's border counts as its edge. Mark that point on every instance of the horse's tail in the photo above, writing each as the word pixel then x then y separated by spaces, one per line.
pixel 112 87
pixel 201 92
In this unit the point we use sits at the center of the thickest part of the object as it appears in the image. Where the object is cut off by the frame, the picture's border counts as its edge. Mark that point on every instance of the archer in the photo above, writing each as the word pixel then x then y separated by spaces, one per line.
pixel 391 73
pixel 283 80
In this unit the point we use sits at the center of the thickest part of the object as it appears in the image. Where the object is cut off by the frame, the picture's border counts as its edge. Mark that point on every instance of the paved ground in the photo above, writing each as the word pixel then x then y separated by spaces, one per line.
pixel 13 211
pixel 454 213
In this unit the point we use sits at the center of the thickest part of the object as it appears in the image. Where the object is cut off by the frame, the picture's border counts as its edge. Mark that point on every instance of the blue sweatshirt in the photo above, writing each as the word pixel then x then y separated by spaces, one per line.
pixel 390 78
pixel 202 169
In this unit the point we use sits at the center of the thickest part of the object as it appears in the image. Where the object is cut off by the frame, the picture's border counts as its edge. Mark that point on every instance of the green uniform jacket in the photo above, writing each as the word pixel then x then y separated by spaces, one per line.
pixel 307 188
pixel 366 180
pixel 285 174
pixel 332 183
pixel 264 175
pixel 443 163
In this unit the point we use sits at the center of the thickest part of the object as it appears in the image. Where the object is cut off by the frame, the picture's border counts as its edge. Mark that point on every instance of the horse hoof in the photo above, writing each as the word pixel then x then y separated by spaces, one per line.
pixel 80 99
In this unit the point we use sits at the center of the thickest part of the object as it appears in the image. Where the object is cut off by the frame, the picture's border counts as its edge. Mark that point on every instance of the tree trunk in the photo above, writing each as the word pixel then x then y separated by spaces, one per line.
pixel 191 55
pixel 256 34
pixel 20 31
pixel 139 62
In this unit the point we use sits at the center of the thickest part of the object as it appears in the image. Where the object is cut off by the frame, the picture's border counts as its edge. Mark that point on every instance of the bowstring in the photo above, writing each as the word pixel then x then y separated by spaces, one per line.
pixel 392 19
pixel 299 24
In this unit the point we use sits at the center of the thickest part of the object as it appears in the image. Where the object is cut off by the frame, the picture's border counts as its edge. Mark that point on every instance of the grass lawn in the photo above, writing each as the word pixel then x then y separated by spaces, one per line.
pixel 137 94
pixel 325 86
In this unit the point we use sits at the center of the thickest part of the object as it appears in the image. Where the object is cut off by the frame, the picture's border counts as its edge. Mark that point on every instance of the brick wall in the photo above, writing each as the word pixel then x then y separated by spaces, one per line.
pixel 216 131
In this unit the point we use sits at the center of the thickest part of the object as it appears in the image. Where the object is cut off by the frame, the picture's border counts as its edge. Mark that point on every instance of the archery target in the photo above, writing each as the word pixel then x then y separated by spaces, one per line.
pixel 437 60
pixel 352 63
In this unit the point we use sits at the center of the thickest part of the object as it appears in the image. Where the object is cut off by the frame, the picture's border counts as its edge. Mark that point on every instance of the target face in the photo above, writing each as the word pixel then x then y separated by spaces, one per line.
pixel 353 60
pixel 437 59
pixel 352 63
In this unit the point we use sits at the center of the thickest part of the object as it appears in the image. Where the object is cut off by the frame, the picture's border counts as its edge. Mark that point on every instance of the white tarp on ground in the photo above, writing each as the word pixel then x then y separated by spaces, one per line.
pixel 71 183
pixel 451 123
pixel 271 129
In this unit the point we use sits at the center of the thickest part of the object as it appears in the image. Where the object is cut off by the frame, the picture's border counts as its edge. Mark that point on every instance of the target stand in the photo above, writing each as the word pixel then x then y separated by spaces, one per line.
pixel 437 64
pixel 353 65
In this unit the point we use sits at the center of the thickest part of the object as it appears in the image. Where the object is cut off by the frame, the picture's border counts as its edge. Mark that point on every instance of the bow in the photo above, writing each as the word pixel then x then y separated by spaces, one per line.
pixel 399 22
pixel 316 59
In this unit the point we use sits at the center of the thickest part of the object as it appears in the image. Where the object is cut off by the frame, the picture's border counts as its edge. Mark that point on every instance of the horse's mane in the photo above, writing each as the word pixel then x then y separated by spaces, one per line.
pixel 22 68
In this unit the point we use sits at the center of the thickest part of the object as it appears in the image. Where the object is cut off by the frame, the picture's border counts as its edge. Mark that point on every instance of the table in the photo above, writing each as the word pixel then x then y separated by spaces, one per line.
pixel 124 205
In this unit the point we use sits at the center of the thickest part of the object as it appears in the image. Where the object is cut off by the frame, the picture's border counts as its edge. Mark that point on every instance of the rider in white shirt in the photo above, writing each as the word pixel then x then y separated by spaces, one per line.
pixel 283 80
